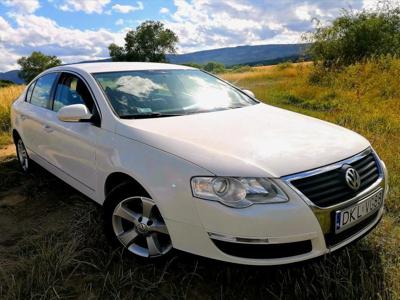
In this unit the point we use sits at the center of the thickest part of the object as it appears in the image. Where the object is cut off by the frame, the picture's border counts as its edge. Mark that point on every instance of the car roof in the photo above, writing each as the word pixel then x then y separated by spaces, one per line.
pixel 120 66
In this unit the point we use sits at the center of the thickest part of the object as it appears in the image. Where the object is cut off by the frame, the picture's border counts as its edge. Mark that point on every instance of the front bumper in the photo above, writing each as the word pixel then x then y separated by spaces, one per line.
pixel 270 234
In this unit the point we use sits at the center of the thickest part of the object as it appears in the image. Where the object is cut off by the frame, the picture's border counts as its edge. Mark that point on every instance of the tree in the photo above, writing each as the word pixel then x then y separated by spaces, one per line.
pixel 36 63
pixel 214 67
pixel 149 42
pixel 354 37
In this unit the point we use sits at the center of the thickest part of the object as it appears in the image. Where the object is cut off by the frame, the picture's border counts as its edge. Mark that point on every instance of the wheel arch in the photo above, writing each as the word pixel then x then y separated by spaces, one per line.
pixel 116 179
pixel 15 135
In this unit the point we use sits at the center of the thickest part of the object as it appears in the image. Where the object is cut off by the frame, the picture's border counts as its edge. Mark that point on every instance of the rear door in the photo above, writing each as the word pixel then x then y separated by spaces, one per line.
pixel 35 112
pixel 73 144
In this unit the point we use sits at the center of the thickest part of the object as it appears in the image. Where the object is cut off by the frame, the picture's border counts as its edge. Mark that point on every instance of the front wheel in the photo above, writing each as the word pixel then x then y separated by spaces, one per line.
pixel 136 223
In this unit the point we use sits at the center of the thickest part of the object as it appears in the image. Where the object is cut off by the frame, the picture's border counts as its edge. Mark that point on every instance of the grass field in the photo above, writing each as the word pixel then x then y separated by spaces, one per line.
pixel 51 244
pixel 7 96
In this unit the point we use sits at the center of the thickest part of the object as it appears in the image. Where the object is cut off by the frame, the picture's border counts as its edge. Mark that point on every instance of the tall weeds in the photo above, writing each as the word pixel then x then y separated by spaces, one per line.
pixel 7 97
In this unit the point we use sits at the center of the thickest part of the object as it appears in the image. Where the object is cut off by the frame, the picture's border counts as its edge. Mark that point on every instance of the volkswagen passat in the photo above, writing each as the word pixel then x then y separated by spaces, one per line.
pixel 181 159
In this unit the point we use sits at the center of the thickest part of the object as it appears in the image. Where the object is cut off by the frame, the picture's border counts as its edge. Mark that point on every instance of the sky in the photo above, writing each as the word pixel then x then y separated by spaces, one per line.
pixel 77 30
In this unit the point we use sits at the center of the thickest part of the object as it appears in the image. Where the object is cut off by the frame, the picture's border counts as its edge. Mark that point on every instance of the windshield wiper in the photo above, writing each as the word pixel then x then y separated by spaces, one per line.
pixel 149 115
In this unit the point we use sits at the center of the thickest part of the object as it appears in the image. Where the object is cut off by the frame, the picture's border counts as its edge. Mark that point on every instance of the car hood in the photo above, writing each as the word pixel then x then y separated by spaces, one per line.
pixel 258 140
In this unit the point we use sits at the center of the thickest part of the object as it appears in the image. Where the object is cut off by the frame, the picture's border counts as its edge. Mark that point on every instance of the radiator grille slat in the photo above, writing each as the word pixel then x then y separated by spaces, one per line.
pixel 330 188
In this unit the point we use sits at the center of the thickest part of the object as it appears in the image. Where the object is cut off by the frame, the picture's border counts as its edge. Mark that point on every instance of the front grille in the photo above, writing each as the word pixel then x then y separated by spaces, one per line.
pixel 264 251
pixel 330 188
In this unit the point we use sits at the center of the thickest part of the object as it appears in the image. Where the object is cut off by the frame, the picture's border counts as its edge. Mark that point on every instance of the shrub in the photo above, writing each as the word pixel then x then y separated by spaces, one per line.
pixel 214 67
pixel 356 36
pixel 284 65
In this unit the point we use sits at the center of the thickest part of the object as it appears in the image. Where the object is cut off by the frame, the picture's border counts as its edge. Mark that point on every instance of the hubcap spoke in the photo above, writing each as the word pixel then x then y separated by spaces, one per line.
pixel 159 227
pixel 127 214
pixel 128 237
pixel 147 207
pixel 153 245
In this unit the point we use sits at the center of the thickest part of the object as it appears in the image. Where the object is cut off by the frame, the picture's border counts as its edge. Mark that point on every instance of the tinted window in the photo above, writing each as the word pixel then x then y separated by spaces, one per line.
pixel 29 92
pixel 136 93
pixel 72 90
pixel 42 90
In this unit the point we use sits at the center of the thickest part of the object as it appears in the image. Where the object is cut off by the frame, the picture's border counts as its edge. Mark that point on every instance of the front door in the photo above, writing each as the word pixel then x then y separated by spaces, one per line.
pixel 73 144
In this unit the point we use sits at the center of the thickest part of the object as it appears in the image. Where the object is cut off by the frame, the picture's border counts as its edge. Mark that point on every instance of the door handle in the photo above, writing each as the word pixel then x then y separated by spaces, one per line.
pixel 48 128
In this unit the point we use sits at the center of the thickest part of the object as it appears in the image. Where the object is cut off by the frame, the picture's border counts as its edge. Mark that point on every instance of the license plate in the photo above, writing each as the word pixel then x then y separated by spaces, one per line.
pixel 354 214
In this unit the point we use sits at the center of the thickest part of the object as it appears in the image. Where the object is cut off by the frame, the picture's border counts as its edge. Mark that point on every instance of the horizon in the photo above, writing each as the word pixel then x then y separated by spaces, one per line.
pixel 76 30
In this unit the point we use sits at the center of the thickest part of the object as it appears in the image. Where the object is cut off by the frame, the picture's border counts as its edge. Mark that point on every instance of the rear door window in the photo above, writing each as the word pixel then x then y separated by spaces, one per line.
pixel 42 90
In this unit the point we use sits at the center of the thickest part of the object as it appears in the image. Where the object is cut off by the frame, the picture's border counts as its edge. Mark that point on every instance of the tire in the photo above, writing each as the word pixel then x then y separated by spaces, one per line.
pixel 24 161
pixel 133 221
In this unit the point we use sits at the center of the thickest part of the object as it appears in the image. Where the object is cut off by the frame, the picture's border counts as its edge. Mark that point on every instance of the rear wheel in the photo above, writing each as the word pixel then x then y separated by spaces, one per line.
pixel 22 155
pixel 136 223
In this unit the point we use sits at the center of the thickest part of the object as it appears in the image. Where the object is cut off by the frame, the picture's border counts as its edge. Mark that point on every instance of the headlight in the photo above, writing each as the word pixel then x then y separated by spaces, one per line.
pixel 237 192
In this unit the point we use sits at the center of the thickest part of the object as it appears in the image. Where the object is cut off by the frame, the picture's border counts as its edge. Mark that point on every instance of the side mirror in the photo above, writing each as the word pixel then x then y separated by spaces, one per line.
pixel 74 113
pixel 249 93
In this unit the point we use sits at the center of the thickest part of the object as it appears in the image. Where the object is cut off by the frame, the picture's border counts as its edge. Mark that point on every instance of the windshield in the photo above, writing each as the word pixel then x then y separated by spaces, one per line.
pixel 157 93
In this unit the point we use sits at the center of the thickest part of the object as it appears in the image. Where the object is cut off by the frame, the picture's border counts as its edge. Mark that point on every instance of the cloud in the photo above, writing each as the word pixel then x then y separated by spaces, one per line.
pixel 125 9
pixel 22 6
pixel 35 33
pixel 87 6
pixel 119 22
pixel 205 24
pixel 164 10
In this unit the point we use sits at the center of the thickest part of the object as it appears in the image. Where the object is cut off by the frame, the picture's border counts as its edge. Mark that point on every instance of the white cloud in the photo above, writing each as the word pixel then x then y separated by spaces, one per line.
pixel 87 6
pixel 125 9
pixel 34 33
pixel 205 24
pixel 119 22
pixel 164 10
pixel 23 6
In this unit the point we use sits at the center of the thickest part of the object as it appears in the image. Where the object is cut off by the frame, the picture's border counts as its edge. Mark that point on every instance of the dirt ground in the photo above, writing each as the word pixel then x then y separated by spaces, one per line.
pixel 24 203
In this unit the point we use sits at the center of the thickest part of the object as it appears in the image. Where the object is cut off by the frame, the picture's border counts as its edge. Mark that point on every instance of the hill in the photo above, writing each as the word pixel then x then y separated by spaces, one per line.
pixel 242 54
pixel 11 76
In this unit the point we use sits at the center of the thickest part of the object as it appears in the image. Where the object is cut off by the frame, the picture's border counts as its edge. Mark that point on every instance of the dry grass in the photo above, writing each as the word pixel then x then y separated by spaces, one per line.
pixel 7 96
pixel 52 246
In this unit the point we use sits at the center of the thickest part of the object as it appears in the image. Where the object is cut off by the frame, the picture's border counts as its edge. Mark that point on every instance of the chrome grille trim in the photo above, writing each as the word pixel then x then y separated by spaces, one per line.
pixel 288 179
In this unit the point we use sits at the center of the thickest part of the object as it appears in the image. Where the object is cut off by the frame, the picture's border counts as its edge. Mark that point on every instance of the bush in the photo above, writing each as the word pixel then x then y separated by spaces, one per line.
pixel 356 36
pixel 214 67
pixel 284 65
pixel 5 83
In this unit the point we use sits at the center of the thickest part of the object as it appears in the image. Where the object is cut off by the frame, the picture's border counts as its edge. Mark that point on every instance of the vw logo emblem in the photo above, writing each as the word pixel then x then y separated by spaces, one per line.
pixel 142 228
pixel 353 179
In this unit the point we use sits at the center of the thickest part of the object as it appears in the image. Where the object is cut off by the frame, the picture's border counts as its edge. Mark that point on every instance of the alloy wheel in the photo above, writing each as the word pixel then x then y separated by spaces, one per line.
pixel 138 225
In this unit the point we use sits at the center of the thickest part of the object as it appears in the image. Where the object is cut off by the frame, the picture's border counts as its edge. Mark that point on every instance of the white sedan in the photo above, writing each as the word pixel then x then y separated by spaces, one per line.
pixel 182 159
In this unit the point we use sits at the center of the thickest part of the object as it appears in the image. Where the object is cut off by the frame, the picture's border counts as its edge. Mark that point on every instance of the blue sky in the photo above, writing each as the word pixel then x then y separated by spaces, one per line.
pixel 77 30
